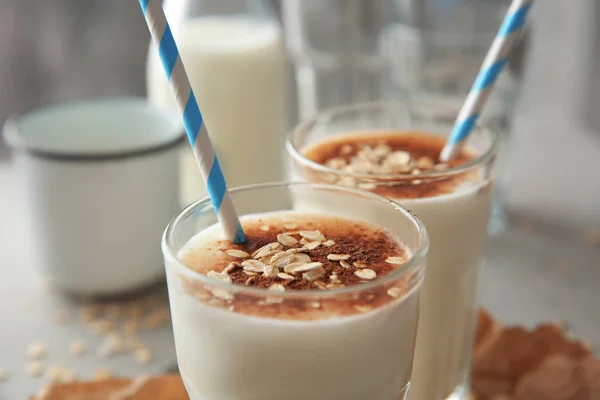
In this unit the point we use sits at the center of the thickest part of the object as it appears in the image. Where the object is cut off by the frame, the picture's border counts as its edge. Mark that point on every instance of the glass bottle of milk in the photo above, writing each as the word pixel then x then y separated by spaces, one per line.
pixel 234 55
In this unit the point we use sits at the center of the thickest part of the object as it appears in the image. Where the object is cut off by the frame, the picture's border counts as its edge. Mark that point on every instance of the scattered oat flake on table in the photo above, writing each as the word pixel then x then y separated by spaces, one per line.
pixel 77 348
pixel 158 317
pixel 67 376
pixel 101 374
pixel 131 327
pixel 54 371
pixel 35 369
pixel 3 375
pixel 102 326
pixel 37 350
pixel 113 344
pixel 143 356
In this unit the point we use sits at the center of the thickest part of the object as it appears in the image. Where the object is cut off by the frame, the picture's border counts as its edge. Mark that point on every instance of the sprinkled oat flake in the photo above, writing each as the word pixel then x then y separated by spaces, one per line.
pixel 253 265
pixel 395 260
pixel 286 240
pixel 338 257
pixel 314 274
pixel 313 235
pixel 366 273
pixel 237 253
pixel 219 276
pixel 285 276
pixel 308 267
pixel 277 287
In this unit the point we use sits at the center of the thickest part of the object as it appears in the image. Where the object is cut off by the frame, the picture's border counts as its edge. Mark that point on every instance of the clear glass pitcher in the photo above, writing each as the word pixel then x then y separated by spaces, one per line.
pixel 234 56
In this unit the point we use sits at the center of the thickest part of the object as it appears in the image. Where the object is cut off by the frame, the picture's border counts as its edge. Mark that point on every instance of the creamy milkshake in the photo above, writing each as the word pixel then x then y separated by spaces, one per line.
pixel 312 306
pixel 236 67
pixel 452 200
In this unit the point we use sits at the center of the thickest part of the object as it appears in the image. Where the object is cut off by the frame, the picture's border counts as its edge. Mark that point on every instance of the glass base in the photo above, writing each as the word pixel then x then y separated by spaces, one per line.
pixel 403 395
pixel 498 219
pixel 462 392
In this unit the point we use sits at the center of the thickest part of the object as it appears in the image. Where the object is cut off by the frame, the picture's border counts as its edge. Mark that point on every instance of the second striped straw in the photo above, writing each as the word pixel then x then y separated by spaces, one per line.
pixel 192 119
pixel 508 35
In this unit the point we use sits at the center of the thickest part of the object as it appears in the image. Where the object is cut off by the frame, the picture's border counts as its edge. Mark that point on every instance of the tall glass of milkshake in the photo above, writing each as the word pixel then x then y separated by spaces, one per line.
pixel 317 304
pixel 392 149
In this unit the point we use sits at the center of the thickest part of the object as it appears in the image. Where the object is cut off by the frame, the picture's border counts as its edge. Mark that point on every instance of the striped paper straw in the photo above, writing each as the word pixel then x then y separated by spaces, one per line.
pixel 192 120
pixel 496 58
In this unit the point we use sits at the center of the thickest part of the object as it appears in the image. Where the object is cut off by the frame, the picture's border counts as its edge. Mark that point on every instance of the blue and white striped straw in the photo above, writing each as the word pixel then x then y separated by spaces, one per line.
pixel 192 120
pixel 508 35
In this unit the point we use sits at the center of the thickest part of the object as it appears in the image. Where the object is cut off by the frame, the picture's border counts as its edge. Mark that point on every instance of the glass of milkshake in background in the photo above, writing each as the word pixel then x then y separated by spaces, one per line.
pixel 392 149
pixel 315 305
pixel 235 59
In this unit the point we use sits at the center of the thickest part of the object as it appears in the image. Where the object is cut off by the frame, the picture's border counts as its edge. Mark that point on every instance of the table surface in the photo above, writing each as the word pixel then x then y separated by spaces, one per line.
pixel 533 272
pixel 530 275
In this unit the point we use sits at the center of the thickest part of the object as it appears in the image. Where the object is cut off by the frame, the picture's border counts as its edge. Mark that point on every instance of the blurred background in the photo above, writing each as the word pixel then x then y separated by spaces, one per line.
pixel 546 229
pixel 60 50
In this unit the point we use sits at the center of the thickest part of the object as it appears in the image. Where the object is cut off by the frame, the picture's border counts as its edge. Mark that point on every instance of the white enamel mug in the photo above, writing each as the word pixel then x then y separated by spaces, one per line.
pixel 101 182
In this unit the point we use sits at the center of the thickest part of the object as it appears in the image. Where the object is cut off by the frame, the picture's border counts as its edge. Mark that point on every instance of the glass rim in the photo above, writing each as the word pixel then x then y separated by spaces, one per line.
pixel 417 259
pixel 304 126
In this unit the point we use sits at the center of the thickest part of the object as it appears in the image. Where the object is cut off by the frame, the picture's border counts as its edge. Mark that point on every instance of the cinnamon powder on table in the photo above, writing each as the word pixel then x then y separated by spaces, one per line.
pixel 540 364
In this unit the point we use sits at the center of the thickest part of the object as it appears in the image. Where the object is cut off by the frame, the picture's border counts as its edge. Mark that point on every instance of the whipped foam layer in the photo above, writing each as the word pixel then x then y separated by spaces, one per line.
pixel 287 251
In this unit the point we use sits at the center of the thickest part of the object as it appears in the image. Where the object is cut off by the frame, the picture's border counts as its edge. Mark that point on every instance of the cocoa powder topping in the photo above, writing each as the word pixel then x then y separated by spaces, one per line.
pixel 301 254
pixel 391 154
pixel 321 253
